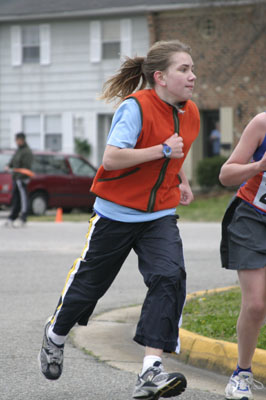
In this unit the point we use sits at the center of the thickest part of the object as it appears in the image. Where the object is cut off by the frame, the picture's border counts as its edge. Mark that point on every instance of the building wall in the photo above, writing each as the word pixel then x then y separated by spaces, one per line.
pixel 228 48
pixel 67 86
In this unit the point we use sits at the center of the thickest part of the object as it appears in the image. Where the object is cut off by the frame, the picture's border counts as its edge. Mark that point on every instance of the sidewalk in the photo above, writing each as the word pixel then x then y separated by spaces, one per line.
pixel 109 338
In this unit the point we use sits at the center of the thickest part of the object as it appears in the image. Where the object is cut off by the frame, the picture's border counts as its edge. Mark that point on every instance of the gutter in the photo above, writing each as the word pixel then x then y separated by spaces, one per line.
pixel 127 10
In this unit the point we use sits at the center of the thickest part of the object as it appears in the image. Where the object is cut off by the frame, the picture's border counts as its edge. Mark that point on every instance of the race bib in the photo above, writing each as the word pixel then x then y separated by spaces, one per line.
pixel 260 198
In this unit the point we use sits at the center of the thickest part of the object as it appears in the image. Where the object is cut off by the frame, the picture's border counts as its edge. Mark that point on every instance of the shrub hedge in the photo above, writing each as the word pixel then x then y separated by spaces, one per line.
pixel 208 170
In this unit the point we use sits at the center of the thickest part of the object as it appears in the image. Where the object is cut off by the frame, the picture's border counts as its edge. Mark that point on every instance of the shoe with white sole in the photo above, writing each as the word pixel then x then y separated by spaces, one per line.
pixel 155 383
pixel 51 357
pixel 239 386
pixel 19 223
pixel 9 223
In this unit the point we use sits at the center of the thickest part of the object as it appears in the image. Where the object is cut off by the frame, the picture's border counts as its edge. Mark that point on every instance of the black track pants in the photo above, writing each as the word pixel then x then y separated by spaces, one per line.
pixel 159 248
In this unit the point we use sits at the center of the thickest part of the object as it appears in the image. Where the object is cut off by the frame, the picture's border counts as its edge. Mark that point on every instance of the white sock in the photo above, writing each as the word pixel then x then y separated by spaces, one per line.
pixel 148 362
pixel 56 339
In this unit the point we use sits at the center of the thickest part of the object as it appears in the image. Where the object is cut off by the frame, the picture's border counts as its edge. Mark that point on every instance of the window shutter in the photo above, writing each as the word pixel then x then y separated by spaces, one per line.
pixel 95 42
pixel 45 46
pixel 15 127
pixel 126 37
pixel 226 125
pixel 16 46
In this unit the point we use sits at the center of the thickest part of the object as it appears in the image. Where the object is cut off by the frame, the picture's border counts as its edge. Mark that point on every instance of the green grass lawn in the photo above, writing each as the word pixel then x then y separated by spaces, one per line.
pixel 215 316
pixel 208 207
pixel 205 208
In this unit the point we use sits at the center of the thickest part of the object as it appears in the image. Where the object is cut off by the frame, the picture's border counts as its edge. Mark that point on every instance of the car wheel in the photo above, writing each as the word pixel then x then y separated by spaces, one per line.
pixel 38 204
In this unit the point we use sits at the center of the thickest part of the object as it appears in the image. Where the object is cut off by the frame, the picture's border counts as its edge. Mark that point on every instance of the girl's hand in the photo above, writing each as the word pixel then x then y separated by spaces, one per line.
pixel 186 195
pixel 176 144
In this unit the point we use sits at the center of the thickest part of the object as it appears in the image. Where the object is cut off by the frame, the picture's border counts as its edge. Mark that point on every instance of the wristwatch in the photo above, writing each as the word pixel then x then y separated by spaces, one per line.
pixel 166 150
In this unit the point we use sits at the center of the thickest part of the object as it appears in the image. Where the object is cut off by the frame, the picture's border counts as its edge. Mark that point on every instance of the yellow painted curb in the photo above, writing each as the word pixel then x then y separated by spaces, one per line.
pixel 216 355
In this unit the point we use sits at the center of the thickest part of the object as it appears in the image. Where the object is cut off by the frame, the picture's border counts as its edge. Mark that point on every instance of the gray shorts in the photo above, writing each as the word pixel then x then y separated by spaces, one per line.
pixel 243 244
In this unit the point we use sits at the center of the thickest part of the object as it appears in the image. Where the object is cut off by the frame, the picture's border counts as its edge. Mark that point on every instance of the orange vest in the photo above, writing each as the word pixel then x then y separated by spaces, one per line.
pixel 153 185
pixel 254 191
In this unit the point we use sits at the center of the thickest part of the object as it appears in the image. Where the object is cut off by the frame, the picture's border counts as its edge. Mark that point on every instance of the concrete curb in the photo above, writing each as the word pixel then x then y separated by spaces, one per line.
pixel 216 355
pixel 107 337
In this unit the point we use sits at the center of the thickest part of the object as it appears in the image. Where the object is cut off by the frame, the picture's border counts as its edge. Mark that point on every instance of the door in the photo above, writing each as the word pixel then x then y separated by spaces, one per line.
pixel 209 120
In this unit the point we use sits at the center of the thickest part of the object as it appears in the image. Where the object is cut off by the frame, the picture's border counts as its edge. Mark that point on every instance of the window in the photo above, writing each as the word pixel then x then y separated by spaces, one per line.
pixel 50 165
pixel 43 132
pixel 80 167
pixel 110 39
pixel 209 119
pixel 4 160
pixel 53 133
pixel 53 142
pixel 30 44
pixel 31 126
pixel 208 28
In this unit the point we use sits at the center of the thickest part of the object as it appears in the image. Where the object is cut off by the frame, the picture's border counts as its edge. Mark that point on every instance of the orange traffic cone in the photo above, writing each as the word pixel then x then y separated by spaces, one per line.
pixel 59 215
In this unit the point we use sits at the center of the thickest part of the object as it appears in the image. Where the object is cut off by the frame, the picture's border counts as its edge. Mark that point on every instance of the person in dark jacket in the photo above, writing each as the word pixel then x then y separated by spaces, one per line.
pixel 22 158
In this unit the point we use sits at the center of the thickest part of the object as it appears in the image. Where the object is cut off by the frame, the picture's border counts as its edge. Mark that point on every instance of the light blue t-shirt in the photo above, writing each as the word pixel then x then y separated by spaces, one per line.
pixel 125 130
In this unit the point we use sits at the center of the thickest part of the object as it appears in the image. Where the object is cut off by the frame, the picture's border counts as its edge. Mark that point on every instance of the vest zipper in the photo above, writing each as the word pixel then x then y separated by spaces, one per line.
pixel 176 120
pixel 157 185
pixel 162 173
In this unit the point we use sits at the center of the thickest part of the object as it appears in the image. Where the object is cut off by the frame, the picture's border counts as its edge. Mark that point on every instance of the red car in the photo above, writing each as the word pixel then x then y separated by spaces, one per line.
pixel 61 180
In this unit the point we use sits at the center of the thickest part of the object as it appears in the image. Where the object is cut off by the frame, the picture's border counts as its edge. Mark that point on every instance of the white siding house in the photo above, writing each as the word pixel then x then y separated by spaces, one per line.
pixel 56 55
pixel 52 71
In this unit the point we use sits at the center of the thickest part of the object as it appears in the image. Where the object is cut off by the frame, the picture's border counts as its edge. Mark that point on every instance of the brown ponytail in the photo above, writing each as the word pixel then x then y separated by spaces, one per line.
pixel 137 72
pixel 127 79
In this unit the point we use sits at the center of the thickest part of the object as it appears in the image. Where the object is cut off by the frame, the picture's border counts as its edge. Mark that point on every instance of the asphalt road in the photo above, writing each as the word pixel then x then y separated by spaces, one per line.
pixel 34 262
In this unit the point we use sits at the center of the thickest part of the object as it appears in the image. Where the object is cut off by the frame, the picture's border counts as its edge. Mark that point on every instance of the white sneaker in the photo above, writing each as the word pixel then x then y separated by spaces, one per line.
pixel 19 223
pixel 8 223
pixel 51 357
pixel 239 386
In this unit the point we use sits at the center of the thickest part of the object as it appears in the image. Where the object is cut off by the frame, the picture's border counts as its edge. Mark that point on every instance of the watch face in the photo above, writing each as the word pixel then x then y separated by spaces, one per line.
pixel 167 150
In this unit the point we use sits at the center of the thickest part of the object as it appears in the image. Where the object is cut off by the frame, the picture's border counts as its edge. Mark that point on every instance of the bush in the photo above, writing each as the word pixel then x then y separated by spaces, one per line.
pixel 82 147
pixel 208 171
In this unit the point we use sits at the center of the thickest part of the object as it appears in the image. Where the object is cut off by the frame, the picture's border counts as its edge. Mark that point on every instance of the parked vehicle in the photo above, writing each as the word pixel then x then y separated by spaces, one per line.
pixel 61 180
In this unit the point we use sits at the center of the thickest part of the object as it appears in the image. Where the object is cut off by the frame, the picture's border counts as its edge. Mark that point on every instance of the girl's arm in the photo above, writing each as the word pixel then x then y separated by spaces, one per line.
pixel 120 151
pixel 237 169
pixel 116 158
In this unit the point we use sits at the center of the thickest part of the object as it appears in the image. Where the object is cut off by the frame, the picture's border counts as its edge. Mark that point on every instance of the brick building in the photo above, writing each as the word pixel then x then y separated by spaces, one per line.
pixel 228 40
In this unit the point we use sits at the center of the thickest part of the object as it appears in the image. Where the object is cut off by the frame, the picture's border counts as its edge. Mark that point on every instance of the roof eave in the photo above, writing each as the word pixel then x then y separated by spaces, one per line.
pixel 125 10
